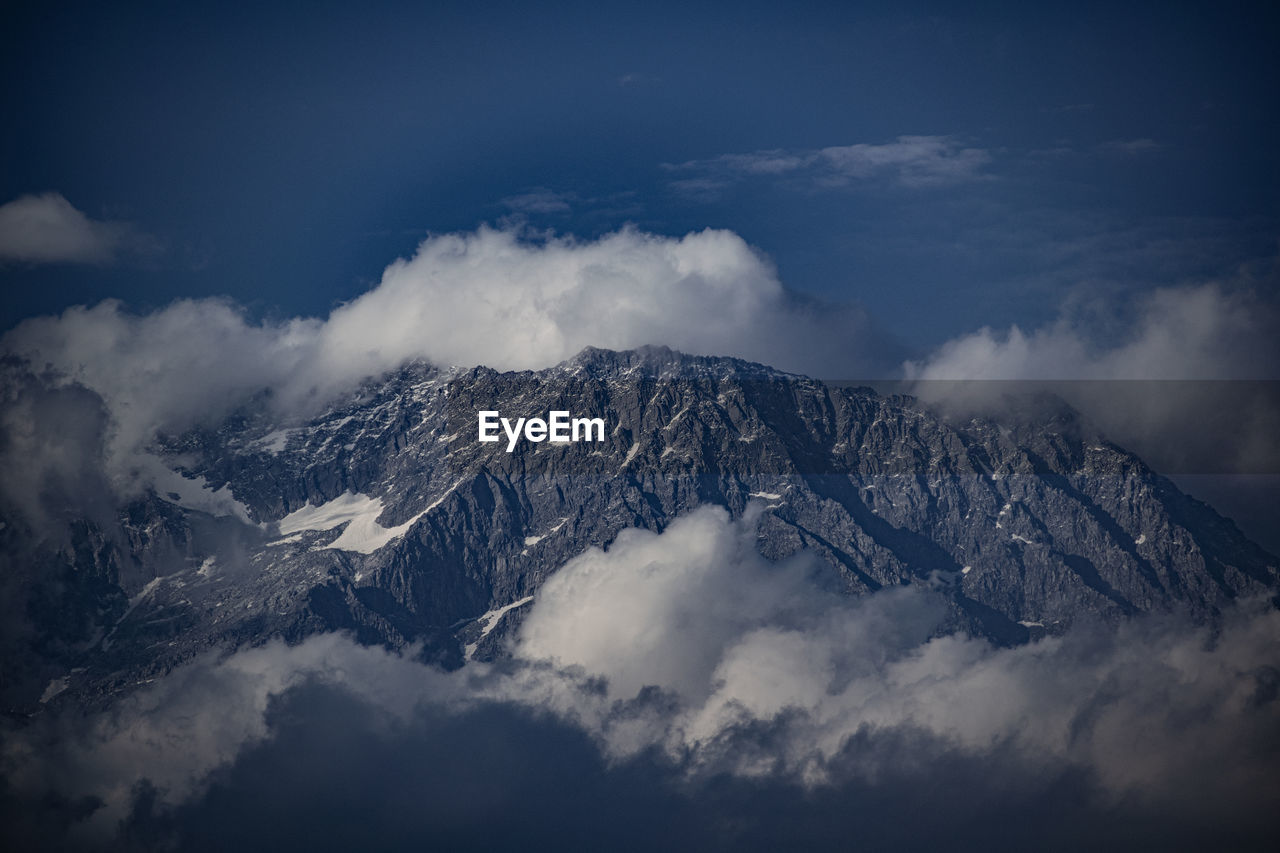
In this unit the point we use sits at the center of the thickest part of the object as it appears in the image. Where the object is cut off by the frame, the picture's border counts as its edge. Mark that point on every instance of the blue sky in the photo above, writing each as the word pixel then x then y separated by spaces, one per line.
pixel 946 169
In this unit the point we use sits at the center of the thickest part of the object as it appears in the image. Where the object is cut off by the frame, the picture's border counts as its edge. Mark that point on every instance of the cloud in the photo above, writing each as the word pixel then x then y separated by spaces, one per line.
pixel 1188 380
pixel 1200 332
pixel 741 642
pixel 510 300
pixel 915 161
pixel 702 189
pixel 513 301
pixel 540 200
pixel 488 297
pixel 660 609
pixel 52 443
pixel 1129 146
pixel 636 78
pixel 911 161
pixel 775 162
pixel 46 228
pixel 688 654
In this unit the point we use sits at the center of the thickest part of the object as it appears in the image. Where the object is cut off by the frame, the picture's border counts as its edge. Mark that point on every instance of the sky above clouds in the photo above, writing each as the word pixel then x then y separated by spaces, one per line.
pixel 944 170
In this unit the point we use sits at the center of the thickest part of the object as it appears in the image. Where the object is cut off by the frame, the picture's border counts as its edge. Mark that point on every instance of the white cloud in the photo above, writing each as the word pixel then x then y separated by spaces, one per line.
pixel 165 370
pixel 1203 332
pixel 696 611
pixel 912 161
pixel 1160 385
pixel 46 228
pixel 492 298
pixel 660 608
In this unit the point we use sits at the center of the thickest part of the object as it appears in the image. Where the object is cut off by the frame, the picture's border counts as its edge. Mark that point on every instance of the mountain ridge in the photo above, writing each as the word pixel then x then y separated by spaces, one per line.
pixel 385 517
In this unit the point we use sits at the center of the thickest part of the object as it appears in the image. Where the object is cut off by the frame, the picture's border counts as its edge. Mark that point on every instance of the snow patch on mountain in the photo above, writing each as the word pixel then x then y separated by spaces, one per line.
pixel 194 493
pixel 274 442
pixel 359 513
pixel 490 620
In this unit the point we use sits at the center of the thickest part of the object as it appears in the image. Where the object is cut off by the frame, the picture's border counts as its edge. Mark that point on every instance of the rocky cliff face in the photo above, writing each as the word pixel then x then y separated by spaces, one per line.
pixel 387 517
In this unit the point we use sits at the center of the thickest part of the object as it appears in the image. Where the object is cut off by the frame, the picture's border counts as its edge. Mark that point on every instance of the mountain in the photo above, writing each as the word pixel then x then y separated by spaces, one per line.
pixel 385 515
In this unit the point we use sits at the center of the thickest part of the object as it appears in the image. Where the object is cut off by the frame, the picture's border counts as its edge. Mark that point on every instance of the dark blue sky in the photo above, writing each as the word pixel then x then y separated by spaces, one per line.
pixel 283 154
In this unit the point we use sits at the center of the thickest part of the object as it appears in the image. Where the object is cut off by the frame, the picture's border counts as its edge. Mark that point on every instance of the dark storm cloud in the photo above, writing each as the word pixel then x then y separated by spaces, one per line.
pixel 335 777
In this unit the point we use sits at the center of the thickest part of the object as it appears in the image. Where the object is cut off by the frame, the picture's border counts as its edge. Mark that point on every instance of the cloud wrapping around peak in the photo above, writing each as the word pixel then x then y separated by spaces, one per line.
pixel 495 297
pixel 509 299
pixel 488 297
pixel 492 297
pixel 46 228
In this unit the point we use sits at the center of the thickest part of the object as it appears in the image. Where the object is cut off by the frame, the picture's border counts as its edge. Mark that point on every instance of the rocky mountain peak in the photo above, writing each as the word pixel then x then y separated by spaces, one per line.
pixel 385 515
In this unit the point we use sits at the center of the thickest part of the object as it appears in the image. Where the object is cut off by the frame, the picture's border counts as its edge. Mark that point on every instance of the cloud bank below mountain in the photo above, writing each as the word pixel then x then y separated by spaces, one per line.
pixel 699 672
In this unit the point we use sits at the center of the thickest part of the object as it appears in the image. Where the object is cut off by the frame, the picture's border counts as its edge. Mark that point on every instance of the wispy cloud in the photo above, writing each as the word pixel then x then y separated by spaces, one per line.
pixel 540 200
pixel 912 161
pixel 1071 108
pixel 494 297
pixel 637 78
pixel 1199 332
pixel 48 229
pixel 1129 146
pixel 1197 364
pixel 701 188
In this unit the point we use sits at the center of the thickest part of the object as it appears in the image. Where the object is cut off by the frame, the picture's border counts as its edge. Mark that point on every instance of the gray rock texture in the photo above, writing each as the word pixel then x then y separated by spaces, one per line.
pixel 1026 525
